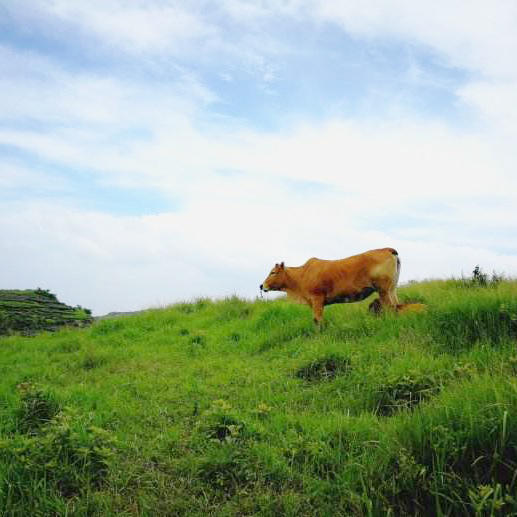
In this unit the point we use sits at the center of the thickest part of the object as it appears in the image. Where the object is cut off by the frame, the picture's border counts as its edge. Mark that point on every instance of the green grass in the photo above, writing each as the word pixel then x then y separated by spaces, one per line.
pixel 245 408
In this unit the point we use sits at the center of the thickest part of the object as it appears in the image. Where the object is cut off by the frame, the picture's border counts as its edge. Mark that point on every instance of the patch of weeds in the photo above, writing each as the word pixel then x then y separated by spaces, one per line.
pixel 324 368
pixel 279 315
pixel 462 327
pixel 449 470
pixel 228 470
pixel 480 279
pixel 107 326
pixel 191 308
pixel 471 475
pixel 184 308
pixel 404 392
pixel 263 410
pixel 68 347
pixel 412 298
pixel 463 371
pixel 184 332
pixel 197 344
pixel 68 457
pixel 362 329
pixel 234 308
pixel 508 317
pixel 198 340
pixel 129 334
pixel 512 364
pixel 490 500
pixel 405 486
pixel 36 409
pixel 91 361
pixel 312 455
pixel 202 303
pixel 282 333
pixel 234 337
pixel 220 424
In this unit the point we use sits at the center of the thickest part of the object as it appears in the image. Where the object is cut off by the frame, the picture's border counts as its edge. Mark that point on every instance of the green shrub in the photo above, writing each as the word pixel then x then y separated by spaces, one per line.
pixel 480 279
pixel 36 408
pixel 69 457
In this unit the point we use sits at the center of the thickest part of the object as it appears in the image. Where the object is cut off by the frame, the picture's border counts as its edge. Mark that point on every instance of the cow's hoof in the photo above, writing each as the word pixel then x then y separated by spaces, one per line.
pixel 375 307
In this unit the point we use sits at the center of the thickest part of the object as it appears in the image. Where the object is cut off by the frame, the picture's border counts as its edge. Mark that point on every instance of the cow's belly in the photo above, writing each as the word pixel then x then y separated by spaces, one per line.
pixel 352 296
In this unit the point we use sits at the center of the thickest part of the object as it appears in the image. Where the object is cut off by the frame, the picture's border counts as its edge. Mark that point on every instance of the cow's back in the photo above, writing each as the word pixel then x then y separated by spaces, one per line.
pixel 355 273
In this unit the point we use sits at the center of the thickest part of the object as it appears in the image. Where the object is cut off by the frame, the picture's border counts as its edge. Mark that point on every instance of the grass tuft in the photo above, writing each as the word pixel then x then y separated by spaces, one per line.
pixel 324 368
pixel 37 408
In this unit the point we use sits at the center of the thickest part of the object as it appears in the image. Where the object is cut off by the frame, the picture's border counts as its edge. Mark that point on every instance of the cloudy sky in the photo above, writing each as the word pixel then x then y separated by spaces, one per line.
pixel 155 151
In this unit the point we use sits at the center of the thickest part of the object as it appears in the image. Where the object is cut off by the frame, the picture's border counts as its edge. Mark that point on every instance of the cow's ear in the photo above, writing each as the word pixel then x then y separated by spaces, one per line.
pixel 281 265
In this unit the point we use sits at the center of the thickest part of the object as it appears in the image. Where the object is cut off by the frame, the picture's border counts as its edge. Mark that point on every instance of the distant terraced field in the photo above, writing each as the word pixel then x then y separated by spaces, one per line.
pixel 30 311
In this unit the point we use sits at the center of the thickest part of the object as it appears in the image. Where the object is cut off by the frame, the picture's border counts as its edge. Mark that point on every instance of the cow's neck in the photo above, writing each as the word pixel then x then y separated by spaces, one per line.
pixel 291 276
pixel 294 289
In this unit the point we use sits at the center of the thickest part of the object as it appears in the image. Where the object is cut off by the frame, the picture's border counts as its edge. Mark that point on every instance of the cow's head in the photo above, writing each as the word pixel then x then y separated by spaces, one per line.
pixel 276 280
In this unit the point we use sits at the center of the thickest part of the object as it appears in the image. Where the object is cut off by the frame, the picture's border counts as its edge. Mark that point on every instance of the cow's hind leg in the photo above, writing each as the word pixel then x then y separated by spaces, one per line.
pixel 388 299
pixel 375 307
pixel 392 293
pixel 386 288
pixel 317 309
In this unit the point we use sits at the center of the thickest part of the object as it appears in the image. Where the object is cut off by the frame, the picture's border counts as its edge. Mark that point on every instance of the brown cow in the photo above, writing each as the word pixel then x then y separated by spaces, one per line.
pixel 323 282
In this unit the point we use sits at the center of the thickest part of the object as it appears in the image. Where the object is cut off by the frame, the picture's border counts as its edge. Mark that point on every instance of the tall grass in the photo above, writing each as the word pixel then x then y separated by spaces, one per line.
pixel 245 408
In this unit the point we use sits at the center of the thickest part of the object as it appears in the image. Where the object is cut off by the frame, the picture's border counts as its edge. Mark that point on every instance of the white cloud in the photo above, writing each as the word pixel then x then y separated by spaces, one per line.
pixel 15 175
pixel 387 164
pixel 474 36
pixel 36 88
pixel 496 102
pixel 137 27
pixel 232 226
pixel 477 35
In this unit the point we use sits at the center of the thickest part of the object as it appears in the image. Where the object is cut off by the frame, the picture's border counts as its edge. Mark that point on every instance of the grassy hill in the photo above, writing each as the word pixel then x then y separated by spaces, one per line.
pixel 245 408
pixel 30 311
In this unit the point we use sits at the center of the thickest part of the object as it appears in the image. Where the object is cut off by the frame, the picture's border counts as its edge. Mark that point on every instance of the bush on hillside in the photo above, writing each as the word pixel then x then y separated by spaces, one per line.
pixel 479 278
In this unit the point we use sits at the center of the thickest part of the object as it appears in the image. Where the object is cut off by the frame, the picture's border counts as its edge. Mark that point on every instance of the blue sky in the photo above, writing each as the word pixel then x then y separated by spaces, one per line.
pixel 157 151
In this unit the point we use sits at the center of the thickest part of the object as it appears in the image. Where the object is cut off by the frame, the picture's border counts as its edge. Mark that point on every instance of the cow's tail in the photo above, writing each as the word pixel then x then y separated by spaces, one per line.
pixel 397 274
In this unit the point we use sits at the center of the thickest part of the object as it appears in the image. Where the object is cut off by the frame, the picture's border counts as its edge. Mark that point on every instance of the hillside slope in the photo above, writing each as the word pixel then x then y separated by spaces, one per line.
pixel 30 311
pixel 245 408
